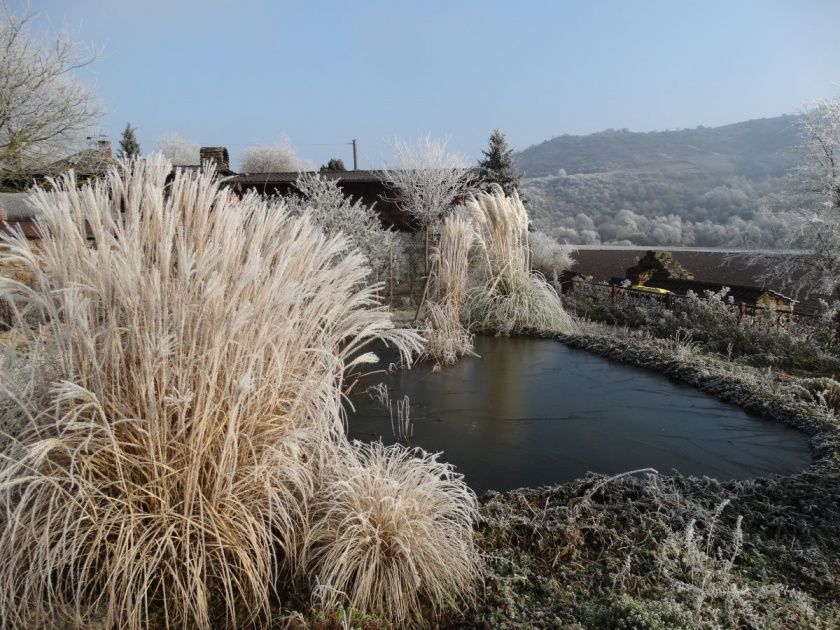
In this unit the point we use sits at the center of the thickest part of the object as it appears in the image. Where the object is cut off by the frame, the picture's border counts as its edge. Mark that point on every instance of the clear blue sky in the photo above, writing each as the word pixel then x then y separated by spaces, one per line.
pixel 222 72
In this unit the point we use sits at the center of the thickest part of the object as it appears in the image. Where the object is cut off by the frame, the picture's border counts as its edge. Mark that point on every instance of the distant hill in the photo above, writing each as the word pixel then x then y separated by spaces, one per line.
pixel 706 186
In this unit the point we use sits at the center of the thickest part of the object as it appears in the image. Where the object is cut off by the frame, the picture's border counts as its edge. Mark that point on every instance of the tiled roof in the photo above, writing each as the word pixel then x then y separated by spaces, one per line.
pixel 290 177
pixel 86 162
pixel 16 206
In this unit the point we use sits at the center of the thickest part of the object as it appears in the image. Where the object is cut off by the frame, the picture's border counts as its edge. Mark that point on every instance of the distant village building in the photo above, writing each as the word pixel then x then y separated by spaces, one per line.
pixel 657 264
pixel 87 164
pixel 660 270
pixel 368 186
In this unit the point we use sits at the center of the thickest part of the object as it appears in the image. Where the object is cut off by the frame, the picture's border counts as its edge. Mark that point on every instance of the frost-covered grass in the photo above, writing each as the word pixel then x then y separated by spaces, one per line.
pixel 654 551
pixel 447 338
pixel 178 440
pixel 507 296
pixel 392 531
pixel 482 280
pixel 712 321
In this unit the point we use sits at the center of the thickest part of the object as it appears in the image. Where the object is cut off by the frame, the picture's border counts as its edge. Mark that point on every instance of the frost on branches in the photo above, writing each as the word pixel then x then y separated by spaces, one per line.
pixel 336 213
pixel 814 222
pixel 44 110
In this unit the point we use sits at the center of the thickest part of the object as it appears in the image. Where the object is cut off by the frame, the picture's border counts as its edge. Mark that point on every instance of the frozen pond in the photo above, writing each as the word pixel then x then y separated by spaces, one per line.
pixel 532 412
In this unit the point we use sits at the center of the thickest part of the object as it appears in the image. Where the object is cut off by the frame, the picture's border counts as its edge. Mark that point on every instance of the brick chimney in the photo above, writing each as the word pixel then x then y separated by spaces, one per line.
pixel 104 147
pixel 218 155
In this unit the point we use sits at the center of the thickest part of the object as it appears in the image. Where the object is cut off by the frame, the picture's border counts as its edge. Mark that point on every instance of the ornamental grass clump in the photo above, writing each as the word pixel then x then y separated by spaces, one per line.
pixel 509 298
pixel 184 354
pixel 447 339
pixel 392 533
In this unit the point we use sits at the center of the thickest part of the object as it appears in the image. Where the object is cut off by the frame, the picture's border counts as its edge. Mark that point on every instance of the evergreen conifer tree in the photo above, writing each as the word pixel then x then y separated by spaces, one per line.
pixel 499 165
pixel 335 164
pixel 129 146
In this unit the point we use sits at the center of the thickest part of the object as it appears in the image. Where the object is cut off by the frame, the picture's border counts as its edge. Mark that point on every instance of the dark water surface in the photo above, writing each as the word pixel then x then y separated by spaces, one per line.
pixel 532 412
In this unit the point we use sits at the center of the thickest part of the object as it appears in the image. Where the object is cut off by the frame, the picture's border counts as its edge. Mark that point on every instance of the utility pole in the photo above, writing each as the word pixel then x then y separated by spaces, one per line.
pixel 355 164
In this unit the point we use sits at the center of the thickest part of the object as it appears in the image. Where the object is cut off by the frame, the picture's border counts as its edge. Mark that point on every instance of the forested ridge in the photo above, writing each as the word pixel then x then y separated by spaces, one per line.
pixel 705 186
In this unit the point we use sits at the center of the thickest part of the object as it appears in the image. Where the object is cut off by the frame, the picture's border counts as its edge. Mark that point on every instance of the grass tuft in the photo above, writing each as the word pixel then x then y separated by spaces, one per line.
pixel 392 533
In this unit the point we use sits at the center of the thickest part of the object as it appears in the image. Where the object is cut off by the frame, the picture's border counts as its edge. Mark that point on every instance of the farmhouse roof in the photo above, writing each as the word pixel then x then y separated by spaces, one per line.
pixel 92 161
pixel 290 177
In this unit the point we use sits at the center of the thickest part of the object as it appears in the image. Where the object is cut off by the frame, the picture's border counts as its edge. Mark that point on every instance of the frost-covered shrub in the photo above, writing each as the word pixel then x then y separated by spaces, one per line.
pixel 392 533
pixel 594 301
pixel 823 390
pixel 336 213
pixel 766 337
pixel 699 563
pixel 628 613
pixel 548 256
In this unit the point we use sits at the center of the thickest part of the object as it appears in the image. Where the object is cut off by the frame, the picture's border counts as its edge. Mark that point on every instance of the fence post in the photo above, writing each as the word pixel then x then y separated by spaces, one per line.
pixel 669 300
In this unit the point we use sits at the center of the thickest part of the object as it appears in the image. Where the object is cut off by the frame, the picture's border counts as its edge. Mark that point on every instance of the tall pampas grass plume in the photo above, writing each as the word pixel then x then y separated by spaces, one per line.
pixel 510 298
pixel 447 339
pixel 184 356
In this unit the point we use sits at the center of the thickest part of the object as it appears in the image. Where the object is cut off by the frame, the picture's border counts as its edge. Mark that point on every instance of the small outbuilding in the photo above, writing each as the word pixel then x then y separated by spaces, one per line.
pixel 660 270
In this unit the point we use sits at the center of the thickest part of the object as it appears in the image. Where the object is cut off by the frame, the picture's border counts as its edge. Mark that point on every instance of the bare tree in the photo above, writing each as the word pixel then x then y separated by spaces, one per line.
pixel 178 150
pixel 427 180
pixel 272 159
pixel 44 109
pixel 813 224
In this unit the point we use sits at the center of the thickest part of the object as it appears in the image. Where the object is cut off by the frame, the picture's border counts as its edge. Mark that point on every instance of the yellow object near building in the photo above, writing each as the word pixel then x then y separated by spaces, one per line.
pixel 641 287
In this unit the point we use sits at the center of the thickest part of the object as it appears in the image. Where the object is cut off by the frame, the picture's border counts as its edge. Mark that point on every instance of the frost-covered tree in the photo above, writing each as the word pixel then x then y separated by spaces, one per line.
pixel 178 150
pixel 337 213
pixel 276 158
pixel 44 109
pixel 548 256
pixel 129 146
pixel 427 180
pixel 814 223
pixel 498 165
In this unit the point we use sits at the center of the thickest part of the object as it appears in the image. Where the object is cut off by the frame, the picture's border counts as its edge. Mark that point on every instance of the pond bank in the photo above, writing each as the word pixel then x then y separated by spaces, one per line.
pixel 654 551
